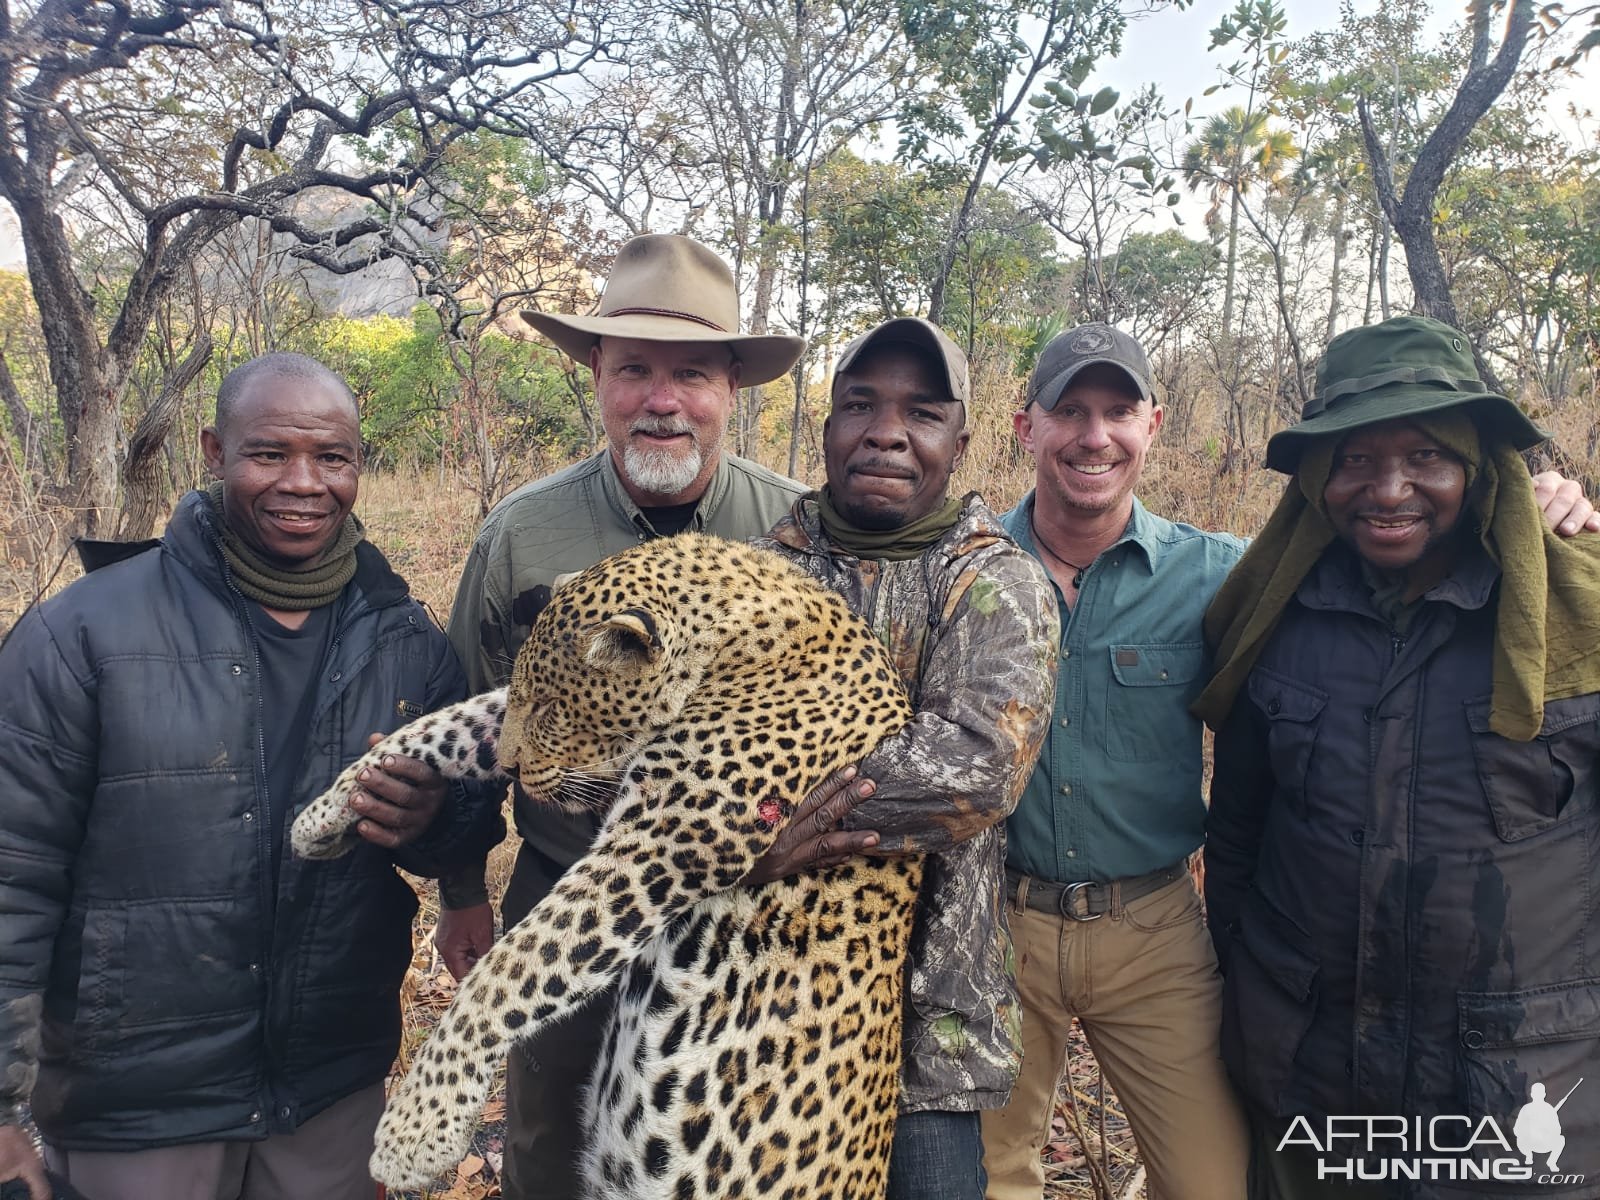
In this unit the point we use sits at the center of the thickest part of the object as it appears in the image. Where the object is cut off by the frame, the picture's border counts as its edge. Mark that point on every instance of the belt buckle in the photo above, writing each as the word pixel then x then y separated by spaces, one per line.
pixel 1069 897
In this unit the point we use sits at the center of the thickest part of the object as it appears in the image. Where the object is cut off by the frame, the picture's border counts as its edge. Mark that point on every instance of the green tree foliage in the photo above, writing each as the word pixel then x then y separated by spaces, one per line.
pixel 411 396
pixel 173 122
pixel 1157 284
pixel 883 228
pixel 1016 70
pixel 1517 219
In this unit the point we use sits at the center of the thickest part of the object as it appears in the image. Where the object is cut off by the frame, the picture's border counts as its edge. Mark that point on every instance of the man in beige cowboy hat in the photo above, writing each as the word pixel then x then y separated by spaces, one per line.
pixel 668 361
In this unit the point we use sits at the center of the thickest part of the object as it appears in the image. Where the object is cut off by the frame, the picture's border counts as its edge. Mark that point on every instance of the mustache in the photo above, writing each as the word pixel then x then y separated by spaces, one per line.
pixel 661 426
pixel 879 466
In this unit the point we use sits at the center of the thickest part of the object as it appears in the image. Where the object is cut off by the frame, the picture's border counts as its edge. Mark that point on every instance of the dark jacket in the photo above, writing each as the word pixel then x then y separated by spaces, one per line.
pixel 184 997
pixel 947 781
pixel 1404 902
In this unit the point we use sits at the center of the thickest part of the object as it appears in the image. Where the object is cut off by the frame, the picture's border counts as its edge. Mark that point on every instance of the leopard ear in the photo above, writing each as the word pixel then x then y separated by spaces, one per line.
pixel 627 638
pixel 561 580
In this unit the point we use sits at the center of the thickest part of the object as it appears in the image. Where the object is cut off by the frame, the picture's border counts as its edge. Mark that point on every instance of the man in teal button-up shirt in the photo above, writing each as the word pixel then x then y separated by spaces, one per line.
pixel 1123 739
pixel 1106 924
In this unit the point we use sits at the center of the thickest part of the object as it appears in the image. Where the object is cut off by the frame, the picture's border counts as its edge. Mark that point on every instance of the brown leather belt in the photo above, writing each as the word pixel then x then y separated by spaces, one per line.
pixel 1087 901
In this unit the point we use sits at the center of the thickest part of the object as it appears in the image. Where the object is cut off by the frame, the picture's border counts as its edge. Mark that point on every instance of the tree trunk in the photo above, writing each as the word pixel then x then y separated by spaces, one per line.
pixel 1411 212
pixel 85 396
pixel 144 489
pixel 1383 274
pixel 1372 274
pixel 797 377
pixel 749 417
pixel 1336 274
pixel 1233 259
pixel 25 427
pixel 952 244
pixel 1426 269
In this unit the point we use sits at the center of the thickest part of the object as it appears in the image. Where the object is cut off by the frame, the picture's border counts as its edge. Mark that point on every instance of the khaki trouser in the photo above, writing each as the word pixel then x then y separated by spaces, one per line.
pixel 1143 982
pixel 325 1159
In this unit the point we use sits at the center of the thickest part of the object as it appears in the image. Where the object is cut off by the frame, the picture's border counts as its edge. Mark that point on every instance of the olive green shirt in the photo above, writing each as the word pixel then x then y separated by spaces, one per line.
pixel 568 522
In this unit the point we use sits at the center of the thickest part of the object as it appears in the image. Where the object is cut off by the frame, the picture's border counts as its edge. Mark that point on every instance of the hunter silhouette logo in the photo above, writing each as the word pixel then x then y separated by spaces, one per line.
pixel 1538 1127
pixel 1442 1147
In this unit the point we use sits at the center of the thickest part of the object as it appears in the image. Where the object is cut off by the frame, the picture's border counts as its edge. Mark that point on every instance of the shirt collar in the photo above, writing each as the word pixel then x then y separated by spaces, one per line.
pixel 622 503
pixel 1141 531
pixel 1336 582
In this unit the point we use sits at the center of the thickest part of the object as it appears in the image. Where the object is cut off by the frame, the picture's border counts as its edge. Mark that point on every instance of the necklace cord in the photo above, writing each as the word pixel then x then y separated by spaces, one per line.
pixel 1077 580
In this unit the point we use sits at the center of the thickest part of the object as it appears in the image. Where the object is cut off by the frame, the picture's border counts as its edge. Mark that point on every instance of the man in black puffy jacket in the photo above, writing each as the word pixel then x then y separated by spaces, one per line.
pixel 192 1010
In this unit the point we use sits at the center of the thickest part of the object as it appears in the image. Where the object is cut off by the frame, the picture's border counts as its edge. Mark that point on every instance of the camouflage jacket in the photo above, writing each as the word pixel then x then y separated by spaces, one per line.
pixel 972 625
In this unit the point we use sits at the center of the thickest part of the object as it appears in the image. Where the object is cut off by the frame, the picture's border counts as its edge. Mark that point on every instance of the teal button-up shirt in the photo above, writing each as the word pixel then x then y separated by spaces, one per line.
pixel 1117 791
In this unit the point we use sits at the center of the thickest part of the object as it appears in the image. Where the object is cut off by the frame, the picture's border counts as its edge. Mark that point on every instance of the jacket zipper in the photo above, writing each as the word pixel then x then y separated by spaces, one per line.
pixel 267 890
pixel 267 936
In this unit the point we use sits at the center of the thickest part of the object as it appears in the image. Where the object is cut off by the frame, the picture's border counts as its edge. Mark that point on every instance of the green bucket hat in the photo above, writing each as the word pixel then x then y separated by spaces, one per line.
pixel 1402 367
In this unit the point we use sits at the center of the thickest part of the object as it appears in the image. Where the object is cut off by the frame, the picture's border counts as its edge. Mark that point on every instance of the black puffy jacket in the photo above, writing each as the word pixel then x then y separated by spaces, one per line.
pixel 1405 903
pixel 184 997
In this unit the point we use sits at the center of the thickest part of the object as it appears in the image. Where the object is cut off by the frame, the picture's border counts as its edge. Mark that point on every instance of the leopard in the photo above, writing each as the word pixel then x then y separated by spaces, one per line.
pixel 694 691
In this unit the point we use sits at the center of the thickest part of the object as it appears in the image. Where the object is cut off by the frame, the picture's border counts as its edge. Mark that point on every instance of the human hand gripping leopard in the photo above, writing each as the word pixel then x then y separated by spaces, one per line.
pixel 696 691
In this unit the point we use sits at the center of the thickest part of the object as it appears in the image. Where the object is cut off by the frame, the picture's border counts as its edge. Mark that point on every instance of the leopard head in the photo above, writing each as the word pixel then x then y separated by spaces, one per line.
pixel 606 666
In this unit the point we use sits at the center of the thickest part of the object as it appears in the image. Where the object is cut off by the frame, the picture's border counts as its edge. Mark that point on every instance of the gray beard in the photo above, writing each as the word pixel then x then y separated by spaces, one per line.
pixel 661 472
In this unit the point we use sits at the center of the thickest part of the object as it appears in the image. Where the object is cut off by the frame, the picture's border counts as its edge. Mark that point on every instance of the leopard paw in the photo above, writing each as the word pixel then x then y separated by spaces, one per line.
pixel 420 1138
pixel 326 827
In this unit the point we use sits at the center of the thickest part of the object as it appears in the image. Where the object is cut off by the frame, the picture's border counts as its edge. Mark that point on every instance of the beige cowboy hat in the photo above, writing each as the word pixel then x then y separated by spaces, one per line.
pixel 667 288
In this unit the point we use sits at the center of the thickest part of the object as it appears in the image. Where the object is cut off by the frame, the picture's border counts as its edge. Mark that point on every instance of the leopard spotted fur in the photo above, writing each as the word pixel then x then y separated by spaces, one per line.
pixel 694 690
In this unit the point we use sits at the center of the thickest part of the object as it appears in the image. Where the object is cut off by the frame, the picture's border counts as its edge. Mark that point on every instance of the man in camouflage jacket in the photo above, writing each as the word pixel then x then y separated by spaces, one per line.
pixel 971 624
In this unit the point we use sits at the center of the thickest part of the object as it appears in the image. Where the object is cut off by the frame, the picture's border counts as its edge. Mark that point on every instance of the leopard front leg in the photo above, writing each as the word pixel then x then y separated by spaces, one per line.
pixel 459 742
pixel 577 941
pixel 535 975
pixel 428 1122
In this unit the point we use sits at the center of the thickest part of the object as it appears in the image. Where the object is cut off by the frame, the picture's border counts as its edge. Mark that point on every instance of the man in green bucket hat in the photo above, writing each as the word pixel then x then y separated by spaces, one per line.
pixel 1405 813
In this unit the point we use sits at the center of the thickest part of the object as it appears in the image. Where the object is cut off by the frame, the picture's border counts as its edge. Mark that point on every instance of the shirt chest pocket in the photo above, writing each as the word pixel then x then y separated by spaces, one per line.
pixel 1147 700
pixel 1294 718
pixel 1531 786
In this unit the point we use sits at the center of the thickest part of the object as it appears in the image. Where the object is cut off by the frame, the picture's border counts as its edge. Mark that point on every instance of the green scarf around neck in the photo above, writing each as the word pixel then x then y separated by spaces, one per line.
pixel 1547 619
pixel 288 591
pixel 892 545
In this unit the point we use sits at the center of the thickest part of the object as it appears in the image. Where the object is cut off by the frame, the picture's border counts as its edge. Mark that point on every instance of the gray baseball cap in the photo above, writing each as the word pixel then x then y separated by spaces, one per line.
pixel 1069 352
pixel 925 335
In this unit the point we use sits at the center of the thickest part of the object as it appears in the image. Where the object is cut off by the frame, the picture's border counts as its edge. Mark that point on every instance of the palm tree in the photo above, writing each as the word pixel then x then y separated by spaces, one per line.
pixel 1235 150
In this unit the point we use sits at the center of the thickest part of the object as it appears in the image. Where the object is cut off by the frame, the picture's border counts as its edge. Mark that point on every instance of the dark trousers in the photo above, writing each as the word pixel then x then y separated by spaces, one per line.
pixel 937 1156
pixel 546 1077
